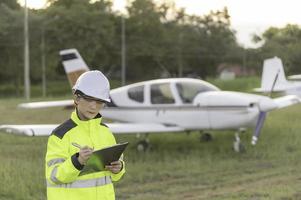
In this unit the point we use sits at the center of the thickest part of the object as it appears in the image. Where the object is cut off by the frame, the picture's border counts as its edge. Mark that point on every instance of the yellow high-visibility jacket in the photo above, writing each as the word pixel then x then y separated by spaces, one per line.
pixel 63 168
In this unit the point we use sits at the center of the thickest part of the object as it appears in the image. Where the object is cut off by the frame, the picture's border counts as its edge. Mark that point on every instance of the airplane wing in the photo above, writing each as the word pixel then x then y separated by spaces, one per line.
pixel 116 128
pixel 285 101
pixel 47 104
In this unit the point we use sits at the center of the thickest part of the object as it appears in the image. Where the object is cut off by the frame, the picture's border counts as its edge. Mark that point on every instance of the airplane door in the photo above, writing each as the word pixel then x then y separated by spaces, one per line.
pixel 161 94
pixel 161 98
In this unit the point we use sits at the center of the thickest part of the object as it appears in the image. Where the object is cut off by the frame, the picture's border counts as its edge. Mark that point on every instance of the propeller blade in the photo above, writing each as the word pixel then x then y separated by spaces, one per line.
pixel 259 124
pixel 262 115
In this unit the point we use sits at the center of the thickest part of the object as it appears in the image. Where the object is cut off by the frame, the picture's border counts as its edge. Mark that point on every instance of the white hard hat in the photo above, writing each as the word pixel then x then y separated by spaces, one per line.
pixel 93 84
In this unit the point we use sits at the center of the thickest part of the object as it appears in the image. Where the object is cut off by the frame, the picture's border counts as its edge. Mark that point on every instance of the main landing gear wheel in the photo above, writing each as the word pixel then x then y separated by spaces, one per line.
pixel 237 145
pixel 142 145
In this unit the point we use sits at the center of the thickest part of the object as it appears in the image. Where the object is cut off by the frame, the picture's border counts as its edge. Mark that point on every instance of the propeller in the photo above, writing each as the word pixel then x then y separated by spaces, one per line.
pixel 259 124
pixel 262 116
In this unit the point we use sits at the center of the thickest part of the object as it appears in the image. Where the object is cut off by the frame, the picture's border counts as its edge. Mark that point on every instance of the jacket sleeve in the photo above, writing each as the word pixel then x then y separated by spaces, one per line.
pixel 116 177
pixel 60 166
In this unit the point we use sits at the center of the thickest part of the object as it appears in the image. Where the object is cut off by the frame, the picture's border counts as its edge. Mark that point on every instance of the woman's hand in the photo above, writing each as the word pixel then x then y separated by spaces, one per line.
pixel 84 154
pixel 115 167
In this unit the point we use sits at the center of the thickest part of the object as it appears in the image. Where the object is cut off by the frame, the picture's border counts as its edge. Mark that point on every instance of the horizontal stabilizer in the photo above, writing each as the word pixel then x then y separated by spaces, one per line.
pixel 295 77
pixel 268 90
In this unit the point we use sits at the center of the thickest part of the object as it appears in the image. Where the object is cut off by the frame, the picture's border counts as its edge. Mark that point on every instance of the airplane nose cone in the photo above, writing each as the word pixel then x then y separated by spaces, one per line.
pixel 266 104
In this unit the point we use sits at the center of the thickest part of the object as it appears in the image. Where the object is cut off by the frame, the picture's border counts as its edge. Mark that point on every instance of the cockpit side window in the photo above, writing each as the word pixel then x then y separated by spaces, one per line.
pixel 187 91
pixel 137 93
pixel 161 94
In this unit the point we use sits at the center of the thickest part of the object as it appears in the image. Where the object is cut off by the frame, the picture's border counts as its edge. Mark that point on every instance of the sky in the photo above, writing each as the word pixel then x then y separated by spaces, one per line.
pixel 247 16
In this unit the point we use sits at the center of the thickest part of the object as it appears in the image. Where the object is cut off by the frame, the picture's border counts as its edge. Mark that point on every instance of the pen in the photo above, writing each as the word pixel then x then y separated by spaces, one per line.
pixel 76 145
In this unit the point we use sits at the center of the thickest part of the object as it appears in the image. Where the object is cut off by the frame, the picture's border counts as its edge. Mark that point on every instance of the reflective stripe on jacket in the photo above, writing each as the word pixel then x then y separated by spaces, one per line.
pixel 63 168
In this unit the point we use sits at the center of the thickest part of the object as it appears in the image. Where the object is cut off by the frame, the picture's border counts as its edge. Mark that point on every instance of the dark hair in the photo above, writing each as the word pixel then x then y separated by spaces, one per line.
pixel 79 93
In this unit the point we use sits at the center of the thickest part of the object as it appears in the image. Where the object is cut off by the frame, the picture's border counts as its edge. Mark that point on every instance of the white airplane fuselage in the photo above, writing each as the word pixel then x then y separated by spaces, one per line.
pixel 187 117
pixel 211 109
pixel 175 105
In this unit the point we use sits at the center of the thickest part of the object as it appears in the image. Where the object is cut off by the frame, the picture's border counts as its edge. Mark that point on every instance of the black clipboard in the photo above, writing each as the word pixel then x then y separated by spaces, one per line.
pixel 100 158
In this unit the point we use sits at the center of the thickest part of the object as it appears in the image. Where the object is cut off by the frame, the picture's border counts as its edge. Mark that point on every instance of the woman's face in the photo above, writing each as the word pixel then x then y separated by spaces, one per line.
pixel 88 108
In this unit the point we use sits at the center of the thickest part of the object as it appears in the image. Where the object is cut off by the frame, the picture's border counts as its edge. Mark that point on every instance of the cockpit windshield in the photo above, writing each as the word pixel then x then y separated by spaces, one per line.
pixel 188 90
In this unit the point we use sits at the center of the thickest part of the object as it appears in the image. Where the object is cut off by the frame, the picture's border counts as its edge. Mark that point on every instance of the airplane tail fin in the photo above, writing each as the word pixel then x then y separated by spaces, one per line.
pixel 273 77
pixel 73 64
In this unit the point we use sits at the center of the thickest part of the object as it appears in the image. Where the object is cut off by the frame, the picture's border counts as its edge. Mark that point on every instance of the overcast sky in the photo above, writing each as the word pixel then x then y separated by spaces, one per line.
pixel 247 16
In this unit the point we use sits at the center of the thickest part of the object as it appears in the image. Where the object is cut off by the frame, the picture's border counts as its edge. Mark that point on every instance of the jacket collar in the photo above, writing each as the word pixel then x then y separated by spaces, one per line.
pixel 97 119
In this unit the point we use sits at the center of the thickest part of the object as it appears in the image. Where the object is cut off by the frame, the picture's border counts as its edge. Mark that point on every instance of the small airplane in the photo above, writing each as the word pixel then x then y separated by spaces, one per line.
pixel 169 105
pixel 273 76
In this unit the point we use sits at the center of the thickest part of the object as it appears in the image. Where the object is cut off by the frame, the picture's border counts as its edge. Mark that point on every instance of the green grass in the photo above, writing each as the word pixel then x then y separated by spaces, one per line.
pixel 178 166
pixel 22 167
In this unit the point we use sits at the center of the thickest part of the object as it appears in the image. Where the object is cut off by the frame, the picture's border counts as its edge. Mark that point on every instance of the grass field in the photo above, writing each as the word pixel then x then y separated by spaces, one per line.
pixel 178 166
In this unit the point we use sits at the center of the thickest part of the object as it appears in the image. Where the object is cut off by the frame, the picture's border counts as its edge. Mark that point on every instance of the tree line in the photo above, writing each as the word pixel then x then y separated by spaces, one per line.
pixel 160 39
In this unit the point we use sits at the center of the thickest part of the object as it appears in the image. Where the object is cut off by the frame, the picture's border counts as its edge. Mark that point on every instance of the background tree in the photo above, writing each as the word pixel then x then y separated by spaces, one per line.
pixel 79 24
pixel 12 4
pixel 161 41
pixel 11 44
pixel 284 43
